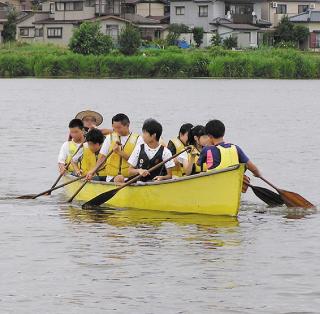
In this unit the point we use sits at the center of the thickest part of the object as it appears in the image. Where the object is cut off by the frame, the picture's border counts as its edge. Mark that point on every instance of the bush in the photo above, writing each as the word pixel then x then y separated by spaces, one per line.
pixel 175 30
pixel 230 42
pixel 198 66
pixel 171 66
pixel 15 66
pixel 88 39
pixel 198 35
pixel 129 40
pixel 215 40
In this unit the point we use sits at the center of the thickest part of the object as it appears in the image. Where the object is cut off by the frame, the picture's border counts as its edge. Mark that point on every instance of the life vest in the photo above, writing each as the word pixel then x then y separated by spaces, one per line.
pixel 196 168
pixel 178 170
pixel 72 149
pixel 115 164
pixel 145 163
pixel 229 157
pixel 89 161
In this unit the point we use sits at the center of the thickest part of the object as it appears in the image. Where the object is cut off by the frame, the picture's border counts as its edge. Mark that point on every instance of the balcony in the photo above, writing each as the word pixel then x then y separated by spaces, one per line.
pixel 242 18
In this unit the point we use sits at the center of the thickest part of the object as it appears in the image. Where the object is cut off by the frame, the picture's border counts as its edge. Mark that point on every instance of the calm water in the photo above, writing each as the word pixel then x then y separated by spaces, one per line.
pixel 58 259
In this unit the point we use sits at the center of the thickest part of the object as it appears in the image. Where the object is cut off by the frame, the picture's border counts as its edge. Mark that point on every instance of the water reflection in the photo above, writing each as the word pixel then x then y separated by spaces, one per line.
pixel 210 231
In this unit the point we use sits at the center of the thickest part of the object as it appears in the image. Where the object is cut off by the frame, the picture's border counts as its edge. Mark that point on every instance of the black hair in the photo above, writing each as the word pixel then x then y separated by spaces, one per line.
pixel 185 128
pixel 76 123
pixel 215 128
pixel 121 117
pixel 95 136
pixel 152 126
pixel 197 131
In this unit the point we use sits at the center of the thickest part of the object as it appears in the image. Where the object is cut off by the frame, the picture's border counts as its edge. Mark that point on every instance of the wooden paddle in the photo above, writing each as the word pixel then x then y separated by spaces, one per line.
pixel 106 196
pixel 48 192
pixel 291 199
pixel 269 197
pixel 86 181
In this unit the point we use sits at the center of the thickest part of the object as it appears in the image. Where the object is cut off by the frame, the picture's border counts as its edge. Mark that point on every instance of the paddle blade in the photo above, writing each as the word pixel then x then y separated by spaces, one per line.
pixel 26 197
pixel 100 199
pixel 269 197
pixel 292 199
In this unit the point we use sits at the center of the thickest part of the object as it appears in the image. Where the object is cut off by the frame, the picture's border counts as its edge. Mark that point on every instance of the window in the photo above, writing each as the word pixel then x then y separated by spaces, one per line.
pixel 51 8
pixel 59 6
pixel 179 10
pixel 303 8
pixel 112 31
pixel 281 9
pixel 74 6
pixel 38 32
pixel 24 32
pixel 54 32
pixel 203 10
pixel 90 3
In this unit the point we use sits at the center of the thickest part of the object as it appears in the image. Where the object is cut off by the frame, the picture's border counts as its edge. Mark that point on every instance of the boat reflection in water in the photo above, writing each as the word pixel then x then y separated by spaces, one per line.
pixel 212 231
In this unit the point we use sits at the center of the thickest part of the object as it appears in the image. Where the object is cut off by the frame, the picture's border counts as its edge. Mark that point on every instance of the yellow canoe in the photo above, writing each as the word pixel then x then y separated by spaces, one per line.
pixel 213 192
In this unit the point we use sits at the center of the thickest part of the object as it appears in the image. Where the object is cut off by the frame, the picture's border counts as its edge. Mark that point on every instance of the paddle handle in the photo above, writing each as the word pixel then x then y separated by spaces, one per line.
pixel 269 183
pixel 67 166
pixel 136 178
pixel 57 187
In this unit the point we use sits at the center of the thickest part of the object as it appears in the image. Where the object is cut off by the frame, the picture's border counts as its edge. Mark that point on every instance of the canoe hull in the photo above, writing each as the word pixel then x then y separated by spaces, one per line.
pixel 213 193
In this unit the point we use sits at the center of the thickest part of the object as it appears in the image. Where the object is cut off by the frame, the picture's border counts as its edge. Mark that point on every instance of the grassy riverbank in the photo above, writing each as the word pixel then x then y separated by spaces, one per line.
pixel 38 60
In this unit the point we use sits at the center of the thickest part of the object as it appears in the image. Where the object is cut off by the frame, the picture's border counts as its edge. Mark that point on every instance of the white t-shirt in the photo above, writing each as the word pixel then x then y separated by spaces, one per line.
pixel 123 139
pixel 64 152
pixel 182 158
pixel 134 158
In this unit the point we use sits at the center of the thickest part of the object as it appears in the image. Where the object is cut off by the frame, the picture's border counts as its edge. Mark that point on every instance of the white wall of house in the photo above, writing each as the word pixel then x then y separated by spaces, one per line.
pixel 188 37
pixel 155 9
pixel 67 32
pixel 269 13
pixel 191 16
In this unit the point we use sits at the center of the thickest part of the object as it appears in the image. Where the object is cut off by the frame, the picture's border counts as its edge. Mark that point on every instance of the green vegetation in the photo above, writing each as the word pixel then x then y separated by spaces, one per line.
pixel 88 39
pixel 38 60
pixel 198 35
pixel 129 40
pixel 9 27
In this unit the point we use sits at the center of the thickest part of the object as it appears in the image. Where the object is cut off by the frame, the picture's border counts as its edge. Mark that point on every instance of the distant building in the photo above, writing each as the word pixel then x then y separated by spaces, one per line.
pixel 57 19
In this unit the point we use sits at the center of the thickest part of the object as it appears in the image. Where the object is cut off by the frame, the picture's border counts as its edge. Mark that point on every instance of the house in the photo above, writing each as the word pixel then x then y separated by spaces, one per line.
pixel 58 18
pixel 237 18
pixel 310 19
pixel 274 11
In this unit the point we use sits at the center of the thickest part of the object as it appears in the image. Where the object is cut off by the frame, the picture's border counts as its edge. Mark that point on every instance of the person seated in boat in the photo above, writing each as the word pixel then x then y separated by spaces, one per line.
pixel 86 160
pixel 91 120
pixel 198 138
pixel 176 145
pixel 69 148
pixel 219 154
pixel 120 144
pixel 150 153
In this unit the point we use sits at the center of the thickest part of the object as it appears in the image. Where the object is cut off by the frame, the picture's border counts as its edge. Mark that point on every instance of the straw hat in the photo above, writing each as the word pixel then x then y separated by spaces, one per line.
pixel 89 113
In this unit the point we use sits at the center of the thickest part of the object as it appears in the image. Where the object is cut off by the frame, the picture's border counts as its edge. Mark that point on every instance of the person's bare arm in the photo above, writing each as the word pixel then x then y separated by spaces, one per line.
pixel 62 168
pixel 142 172
pixel 166 177
pixel 106 131
pixel 253 168
pixel 77 170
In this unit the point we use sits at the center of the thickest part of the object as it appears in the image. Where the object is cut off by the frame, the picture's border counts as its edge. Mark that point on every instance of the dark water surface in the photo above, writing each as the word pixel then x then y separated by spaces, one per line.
pixel 55 258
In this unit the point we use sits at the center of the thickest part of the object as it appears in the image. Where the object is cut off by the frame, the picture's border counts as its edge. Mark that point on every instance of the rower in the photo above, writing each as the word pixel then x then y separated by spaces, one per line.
pixel 198 138
pixel 219 154
pixel 86 160
pixel 176 145
pixel 151 153
pixel 69 148
pixel 120 144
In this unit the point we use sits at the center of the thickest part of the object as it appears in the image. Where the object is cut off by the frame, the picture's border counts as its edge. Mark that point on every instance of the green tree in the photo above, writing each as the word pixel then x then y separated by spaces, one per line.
pixel 230 42
pixel 175 30
pixel 129 40
pixel 88 39
pixel 198 35
pixel 215 40
pixel 284 31
pixel 9 27
pixel 301 33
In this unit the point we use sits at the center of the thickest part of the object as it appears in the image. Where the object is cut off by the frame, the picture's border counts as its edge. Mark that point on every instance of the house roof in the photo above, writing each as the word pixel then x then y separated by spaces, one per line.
pixel 240 26
pixel 228 23
pixel 53 21
pixel 139 19
pixel 310 16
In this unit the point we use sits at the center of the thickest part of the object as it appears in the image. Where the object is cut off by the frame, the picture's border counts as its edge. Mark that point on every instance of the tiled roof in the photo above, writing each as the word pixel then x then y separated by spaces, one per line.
pixel 306 17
